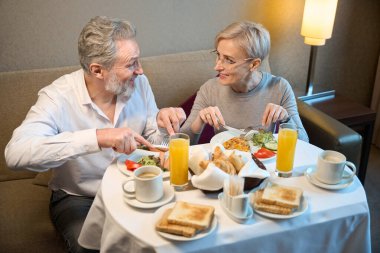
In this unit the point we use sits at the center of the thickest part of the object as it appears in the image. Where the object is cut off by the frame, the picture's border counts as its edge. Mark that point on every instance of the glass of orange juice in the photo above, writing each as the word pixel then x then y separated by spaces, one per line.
pixel 287 140
pixel 179 160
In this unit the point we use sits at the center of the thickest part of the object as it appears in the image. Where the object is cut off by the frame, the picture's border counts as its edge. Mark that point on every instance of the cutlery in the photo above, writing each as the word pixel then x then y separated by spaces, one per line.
pixel 258 162
pixel 165 141
pixel 234 130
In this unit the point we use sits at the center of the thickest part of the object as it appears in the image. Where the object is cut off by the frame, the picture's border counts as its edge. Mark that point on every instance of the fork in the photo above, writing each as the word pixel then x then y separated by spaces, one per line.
pixel 250 131
pixel 165 141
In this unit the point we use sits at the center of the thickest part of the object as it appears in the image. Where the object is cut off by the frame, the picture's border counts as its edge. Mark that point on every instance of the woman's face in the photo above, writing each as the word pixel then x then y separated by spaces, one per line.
pixel 232 64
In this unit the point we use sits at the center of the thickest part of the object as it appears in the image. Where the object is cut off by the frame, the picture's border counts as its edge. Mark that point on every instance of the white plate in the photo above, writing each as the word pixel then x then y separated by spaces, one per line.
pixel 267 159
pixel 222 137
pixel 303 207
pixel 135 156
pixel 158 214
pixel 310 175
pixel 225 136
pixel 168 196
pixel 231 215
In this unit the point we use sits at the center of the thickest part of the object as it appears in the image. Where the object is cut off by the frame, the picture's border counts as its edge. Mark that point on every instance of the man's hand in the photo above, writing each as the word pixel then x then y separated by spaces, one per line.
pixel 171 118
pixel 273 113
pixel 122 140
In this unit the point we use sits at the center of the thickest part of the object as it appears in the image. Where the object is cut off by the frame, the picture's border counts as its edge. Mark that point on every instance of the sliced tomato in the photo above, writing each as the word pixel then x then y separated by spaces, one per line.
pixel 264 153
pixel 131 165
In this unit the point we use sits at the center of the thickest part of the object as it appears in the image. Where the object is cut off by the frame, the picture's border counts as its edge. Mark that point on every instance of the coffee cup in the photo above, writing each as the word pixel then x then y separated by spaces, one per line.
pixel 330 167
pixel 148 184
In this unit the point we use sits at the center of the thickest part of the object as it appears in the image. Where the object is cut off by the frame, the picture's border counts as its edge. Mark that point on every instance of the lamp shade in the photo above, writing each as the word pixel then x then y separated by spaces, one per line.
pixel 318 21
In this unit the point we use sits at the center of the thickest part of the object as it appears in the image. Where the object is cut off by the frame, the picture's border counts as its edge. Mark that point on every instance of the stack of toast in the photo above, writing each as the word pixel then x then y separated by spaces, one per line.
pixel 186 219
pixel 278 199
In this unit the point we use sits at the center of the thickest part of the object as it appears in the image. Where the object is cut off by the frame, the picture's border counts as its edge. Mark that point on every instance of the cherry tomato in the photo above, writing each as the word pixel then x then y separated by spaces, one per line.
pixel 264 153
pixel 131 165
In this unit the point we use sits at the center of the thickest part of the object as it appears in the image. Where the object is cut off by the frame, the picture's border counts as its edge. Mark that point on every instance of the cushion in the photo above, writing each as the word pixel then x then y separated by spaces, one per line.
pixel 208 131
pixel 25 220
pixel 42 178
pixel 19 93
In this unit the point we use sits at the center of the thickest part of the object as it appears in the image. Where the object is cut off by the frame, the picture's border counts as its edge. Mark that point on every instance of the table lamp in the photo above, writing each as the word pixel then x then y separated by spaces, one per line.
pixel 317 26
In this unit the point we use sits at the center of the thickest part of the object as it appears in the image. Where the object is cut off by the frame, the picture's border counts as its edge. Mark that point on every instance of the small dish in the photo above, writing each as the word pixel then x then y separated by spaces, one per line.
pixel 166 198
pixel 310 175
pixel 302 209
pixel 235 218
pixel 136 156
pixel 158 214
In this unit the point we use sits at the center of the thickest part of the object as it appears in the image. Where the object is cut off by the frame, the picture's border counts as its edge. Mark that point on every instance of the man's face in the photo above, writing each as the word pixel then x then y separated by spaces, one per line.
pixel 120 79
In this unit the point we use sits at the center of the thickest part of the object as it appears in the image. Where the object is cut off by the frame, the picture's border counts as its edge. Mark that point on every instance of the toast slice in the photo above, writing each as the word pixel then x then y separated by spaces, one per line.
pixel 164 226
pixel 192 215
pixel 285 196
pixel 259 205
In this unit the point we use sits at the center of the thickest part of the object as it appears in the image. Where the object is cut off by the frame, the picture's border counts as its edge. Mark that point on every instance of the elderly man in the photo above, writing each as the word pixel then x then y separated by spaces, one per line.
pixel 83 120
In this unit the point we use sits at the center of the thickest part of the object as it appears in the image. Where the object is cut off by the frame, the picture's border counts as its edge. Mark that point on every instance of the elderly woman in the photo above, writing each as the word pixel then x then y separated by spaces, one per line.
pixel 242 95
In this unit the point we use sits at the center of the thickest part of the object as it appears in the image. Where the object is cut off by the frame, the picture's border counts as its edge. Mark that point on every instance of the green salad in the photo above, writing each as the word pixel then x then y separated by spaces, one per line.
pixel 149 160
pixel 264 139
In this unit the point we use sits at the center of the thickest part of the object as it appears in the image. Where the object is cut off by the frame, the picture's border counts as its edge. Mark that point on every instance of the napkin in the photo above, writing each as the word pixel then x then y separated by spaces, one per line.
pixel 212 178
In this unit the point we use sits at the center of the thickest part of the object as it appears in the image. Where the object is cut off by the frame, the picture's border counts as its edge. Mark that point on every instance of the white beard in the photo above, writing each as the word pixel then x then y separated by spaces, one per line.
pixel 115 86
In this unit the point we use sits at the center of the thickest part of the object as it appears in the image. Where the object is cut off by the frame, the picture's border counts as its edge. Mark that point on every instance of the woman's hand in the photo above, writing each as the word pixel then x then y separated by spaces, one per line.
pixel 273 113
pixel 212 116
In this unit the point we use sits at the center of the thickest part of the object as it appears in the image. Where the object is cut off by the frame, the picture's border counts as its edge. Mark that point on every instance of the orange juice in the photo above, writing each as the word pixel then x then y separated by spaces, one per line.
pixel 179 160
pixel 287 140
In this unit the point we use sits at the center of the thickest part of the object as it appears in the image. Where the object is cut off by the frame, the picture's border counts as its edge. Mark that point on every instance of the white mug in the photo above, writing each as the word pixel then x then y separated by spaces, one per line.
pixel 330 167
pixel 148 184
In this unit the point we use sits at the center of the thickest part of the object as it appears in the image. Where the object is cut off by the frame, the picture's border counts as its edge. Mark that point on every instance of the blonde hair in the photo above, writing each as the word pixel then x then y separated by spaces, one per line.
pixel 97 41
pixel 252 37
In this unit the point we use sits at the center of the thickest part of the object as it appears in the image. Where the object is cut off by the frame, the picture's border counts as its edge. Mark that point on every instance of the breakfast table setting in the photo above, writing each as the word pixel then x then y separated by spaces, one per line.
pixel 141 210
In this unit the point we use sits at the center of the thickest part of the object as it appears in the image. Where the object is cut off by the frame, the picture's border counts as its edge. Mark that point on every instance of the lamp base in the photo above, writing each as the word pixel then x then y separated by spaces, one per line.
pixel 319 96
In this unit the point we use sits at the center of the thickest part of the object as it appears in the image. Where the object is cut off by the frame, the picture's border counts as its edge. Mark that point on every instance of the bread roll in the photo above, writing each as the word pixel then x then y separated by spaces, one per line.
pixel 236 161
pixel 225 165
pixel 218 154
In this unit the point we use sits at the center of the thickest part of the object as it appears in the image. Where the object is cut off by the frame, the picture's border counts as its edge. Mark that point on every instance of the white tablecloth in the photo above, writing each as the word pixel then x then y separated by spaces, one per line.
pixel 336 221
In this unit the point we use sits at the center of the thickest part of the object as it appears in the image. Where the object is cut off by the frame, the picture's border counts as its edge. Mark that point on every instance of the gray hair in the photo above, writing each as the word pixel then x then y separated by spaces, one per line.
pixel 253 38
pixel 97 41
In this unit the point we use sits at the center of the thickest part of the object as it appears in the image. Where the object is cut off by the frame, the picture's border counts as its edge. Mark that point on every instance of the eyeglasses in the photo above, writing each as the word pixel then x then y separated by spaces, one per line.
pixel 226 61
pixel 134 65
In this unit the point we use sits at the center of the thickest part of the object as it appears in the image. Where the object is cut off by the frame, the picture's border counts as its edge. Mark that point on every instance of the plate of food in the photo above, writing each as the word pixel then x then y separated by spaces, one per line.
pixel 128 163
pixel 184 221
pixel 279 202
pixel 262 144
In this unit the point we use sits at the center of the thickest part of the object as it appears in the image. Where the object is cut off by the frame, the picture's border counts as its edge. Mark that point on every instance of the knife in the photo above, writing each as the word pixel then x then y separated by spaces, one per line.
pixel 258 162
pixel 232 129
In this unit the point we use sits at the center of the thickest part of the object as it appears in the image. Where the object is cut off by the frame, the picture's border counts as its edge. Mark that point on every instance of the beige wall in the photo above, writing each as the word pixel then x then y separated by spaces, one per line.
pixel 43 33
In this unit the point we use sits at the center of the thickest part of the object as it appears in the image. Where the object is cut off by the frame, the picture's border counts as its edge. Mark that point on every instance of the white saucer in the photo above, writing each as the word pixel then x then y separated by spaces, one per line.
pixel 235 218
pixel 158 214
pixel 168 196
pixel 310 175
